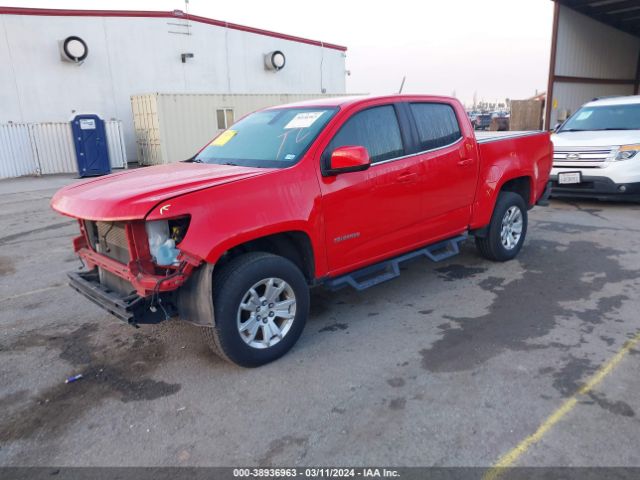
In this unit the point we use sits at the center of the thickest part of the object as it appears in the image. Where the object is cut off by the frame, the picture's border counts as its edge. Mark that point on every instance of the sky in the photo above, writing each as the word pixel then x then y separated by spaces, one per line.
pixel 493 49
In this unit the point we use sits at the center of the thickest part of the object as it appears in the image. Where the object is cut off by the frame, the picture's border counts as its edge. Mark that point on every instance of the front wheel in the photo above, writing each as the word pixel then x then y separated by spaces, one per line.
pixel 261 304
pixel 507 229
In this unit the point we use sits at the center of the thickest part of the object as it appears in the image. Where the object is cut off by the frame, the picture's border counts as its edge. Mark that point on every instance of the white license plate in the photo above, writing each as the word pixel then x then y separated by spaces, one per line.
pixel 567 178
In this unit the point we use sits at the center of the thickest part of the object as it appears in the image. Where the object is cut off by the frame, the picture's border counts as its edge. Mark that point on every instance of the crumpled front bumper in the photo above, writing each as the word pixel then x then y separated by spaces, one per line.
pixel 131 308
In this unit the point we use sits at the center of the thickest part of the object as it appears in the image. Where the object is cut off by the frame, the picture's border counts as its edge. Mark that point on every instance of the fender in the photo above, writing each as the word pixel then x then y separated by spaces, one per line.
pixel 235 213
pixel 508 165
pixel 288 227
pixel 484 205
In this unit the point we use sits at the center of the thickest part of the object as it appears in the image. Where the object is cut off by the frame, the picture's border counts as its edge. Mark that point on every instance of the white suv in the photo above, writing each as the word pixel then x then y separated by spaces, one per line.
pixel 597 151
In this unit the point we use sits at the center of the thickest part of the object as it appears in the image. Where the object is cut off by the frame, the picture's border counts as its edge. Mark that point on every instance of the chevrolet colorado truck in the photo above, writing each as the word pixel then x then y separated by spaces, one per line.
pixel 597 151
pixel 333 192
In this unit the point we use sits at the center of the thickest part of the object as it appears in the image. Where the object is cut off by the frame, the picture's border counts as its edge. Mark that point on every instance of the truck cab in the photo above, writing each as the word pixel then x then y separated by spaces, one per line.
pixel 597 151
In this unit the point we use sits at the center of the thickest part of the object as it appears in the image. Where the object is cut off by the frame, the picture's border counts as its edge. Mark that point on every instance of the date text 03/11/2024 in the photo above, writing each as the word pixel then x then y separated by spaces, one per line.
pixel 325 472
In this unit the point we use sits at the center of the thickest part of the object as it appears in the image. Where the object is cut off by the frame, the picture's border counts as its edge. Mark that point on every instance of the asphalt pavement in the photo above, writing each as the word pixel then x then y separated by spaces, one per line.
pixel 452 364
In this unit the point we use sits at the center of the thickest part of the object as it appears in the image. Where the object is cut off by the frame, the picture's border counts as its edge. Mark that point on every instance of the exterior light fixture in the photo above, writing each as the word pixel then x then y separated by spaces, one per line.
pixel 73 49
pixel 275 60
pixel 184 56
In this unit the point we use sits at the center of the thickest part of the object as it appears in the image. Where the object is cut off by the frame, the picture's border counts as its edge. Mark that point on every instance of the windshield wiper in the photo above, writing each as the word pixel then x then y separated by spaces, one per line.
pixel 572 130
pixel 230 163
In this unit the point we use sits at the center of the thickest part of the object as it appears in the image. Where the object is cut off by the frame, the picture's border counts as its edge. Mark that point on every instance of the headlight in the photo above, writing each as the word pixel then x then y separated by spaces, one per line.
pixel 163 236
pixel 627 151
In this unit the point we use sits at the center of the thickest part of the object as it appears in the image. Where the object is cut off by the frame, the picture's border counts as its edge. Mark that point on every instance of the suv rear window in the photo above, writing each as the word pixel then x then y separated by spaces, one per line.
pixel 437 124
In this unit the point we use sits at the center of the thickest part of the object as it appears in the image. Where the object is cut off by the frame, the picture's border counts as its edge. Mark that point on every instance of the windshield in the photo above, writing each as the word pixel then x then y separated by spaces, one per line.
pixel 611 117
pixel 270 138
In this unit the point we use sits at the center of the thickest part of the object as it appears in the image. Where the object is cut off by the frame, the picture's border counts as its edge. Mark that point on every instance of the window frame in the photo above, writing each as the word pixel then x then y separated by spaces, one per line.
pixel 416 133
pixel 403 126
pixel 225 111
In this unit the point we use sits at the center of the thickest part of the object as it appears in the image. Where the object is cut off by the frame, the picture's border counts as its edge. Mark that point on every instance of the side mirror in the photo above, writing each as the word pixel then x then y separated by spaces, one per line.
pixel 348 159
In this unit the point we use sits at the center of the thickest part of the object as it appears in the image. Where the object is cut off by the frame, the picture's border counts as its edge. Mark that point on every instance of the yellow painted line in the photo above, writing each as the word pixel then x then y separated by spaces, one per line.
pixel 32 292
pixel 508 459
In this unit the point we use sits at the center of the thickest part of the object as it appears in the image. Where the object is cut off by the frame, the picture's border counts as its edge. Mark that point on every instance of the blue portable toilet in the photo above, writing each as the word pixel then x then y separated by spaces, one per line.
pixel 90 140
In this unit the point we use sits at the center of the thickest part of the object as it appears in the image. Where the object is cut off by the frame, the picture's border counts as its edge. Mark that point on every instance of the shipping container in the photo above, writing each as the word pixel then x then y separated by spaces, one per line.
pixel 173 127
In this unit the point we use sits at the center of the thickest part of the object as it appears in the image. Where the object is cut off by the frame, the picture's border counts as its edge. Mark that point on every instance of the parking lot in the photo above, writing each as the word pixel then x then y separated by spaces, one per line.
pixel 452 364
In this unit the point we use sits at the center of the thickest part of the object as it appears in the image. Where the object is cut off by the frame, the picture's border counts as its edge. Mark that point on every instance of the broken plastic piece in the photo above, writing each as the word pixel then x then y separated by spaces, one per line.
pixel 75 378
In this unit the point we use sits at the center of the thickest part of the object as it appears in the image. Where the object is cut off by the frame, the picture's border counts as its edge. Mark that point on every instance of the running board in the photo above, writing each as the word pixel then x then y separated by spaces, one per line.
pixel 389 269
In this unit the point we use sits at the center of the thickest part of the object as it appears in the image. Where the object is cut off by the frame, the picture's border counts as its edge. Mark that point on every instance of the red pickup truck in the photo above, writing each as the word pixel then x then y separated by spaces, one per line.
pixel 331 192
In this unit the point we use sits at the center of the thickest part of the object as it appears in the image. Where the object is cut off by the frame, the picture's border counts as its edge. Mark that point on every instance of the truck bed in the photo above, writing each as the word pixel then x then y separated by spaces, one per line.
pixel 506 155
pixel 484 137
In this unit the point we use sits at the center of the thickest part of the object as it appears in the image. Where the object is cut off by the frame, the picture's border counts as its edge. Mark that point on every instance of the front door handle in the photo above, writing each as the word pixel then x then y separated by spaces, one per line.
pixel 465 162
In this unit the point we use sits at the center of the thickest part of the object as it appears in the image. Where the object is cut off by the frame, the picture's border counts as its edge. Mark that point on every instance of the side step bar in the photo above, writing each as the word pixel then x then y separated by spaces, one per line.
pixel 389 269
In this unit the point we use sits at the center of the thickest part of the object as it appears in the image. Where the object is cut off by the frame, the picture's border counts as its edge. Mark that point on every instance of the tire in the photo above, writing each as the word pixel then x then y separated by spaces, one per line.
pixel 494 246
pixel 232 286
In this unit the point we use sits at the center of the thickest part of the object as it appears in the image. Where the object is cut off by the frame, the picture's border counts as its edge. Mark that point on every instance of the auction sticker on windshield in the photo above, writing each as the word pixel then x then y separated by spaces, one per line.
pixel 303 120
pixel 223 138
pixel 566 178
pixel 584 115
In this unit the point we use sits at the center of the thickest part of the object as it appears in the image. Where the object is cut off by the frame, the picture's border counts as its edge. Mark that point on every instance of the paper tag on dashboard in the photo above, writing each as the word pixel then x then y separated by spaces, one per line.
pixel 223 138
pixel 584 115
pixel 303 120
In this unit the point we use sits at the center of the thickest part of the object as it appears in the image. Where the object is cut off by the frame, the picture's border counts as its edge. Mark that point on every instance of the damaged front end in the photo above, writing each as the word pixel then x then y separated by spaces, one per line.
pixel 134 268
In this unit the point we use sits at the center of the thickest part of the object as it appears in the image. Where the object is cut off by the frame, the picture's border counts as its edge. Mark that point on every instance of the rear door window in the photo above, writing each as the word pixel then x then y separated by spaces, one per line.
pixel 376 129
pixel 436 123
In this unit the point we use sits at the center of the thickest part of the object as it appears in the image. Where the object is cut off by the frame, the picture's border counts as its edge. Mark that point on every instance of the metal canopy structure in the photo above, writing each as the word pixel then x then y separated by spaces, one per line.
pixel 621 14
pixel 595 51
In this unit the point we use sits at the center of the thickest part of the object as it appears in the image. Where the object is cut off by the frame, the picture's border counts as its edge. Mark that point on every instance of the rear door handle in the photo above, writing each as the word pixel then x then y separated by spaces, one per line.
pixel 407 177
pixel 465 162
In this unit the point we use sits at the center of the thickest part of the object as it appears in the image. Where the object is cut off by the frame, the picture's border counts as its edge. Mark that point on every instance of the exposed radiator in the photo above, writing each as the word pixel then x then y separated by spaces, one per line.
pixel 110 240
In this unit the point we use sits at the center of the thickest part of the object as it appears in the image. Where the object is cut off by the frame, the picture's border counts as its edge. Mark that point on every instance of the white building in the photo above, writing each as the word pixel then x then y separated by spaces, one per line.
pixel 131 53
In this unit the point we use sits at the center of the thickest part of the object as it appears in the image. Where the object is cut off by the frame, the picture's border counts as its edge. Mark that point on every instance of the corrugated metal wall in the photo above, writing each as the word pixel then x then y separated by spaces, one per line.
pixel 588 49
pixel 17 156
pixel 173 127
pixel 54 147
pixel 571 96
pixel 147 129
pixel 115 144
pixel 47 148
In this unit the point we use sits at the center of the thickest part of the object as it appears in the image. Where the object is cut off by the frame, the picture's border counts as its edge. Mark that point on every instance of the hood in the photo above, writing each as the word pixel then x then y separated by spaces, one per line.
pixel 596 138
pixel 132 194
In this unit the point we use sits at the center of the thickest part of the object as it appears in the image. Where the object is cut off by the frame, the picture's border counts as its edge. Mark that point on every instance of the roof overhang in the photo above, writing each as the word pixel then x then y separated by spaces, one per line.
pixel 158 14
pixel 621 14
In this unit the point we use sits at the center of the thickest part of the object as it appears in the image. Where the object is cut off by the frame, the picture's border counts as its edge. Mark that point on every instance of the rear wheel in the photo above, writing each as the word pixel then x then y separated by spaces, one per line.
pixel 507 229
pixel 261 303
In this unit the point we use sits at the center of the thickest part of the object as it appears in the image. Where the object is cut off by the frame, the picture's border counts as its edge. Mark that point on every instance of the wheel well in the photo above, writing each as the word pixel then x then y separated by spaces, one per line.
pixel 521 186
pixel 294 246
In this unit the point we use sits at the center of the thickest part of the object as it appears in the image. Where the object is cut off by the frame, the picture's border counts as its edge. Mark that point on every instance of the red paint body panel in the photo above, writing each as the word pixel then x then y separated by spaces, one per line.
pixel 351 219
pixel 130 195
pixel 503 160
